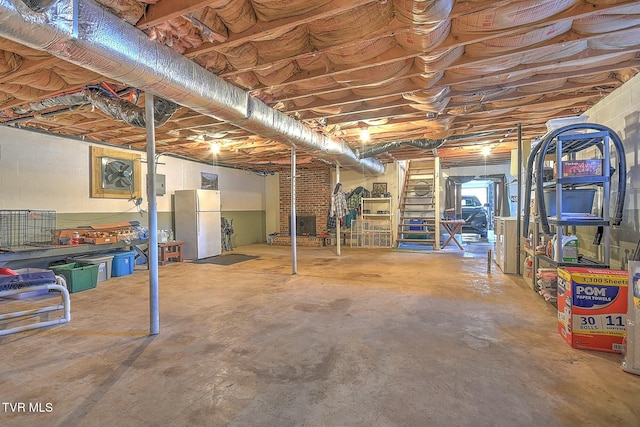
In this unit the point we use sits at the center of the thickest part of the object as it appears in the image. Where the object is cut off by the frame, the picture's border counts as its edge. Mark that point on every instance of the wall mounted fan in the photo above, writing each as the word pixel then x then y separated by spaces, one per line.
pixel 117 174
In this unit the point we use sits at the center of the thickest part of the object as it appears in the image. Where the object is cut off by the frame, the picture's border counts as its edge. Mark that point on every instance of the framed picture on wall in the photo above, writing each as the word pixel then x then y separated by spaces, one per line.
pixel 379 188
pixel 209 181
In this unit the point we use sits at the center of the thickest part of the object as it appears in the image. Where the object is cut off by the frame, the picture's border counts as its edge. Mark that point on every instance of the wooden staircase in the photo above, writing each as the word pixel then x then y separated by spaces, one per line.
pixel 419 218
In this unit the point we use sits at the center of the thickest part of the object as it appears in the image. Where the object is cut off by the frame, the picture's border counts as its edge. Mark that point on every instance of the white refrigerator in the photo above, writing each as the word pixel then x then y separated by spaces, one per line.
pixel 198 222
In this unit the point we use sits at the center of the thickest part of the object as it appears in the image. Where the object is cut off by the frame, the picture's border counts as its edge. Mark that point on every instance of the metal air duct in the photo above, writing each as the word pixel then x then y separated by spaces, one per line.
pixel 86 34
pixel 115 107
pixel 427 144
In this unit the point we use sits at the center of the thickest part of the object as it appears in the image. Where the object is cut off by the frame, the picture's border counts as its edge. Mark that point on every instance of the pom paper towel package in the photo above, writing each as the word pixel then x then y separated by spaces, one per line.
pixel 592 307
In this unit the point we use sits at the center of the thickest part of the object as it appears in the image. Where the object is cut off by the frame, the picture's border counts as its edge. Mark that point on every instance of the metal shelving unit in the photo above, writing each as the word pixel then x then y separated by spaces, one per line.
pixel 566 142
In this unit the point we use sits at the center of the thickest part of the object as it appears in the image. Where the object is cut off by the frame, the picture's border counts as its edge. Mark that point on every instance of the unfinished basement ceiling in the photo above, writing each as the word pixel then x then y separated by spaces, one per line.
pixel 432 73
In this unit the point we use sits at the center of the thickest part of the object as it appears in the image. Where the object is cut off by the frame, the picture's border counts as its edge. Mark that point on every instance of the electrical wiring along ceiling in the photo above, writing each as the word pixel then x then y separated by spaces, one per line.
pixel 423 77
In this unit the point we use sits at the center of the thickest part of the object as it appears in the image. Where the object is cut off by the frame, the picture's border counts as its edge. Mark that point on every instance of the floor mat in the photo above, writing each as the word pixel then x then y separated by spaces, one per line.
pixel 414 247
pixel 227 259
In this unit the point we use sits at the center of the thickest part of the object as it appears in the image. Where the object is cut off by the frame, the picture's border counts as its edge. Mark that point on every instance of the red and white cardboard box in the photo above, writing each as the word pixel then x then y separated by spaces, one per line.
pixel 592 307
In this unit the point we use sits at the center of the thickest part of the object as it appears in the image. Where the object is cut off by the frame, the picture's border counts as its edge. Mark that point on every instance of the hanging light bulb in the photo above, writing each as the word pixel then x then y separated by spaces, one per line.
pixel 215 148
pixel 486 150
pixel 364 134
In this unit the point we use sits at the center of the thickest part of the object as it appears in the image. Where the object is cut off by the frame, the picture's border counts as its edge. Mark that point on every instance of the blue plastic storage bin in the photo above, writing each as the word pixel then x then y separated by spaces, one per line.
pixel 123 263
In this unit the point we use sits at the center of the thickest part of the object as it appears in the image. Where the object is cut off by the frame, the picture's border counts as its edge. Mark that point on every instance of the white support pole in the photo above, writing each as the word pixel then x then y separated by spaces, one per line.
pixel 294 232
pixel 152 259
pixel 338 228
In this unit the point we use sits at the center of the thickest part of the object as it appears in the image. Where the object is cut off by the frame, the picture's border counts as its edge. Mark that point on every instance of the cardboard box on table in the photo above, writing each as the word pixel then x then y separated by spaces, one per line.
pixel 592 307
pixel 94 234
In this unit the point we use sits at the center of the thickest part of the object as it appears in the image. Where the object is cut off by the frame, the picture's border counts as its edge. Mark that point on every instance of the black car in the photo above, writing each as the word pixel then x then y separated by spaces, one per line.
pixel 474 215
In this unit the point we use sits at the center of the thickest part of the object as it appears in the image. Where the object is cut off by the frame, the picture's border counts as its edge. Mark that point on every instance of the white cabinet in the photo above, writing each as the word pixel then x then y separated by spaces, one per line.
pixel 506 243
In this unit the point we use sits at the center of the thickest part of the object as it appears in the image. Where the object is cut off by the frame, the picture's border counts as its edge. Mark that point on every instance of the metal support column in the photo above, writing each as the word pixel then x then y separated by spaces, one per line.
pixel 338 228
pixel 294 232
pixel 154 316
pixel 519 205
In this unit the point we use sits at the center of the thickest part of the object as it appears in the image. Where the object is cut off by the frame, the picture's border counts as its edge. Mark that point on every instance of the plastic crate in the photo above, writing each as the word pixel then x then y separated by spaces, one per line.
pixel 104 263
pixel 79 276
pixel 123 263
pixel 579 200
pixel 419 225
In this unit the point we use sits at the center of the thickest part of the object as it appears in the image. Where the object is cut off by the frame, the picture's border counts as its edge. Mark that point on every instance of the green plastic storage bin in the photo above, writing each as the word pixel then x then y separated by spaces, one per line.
pixel 79 276
pixel 103 262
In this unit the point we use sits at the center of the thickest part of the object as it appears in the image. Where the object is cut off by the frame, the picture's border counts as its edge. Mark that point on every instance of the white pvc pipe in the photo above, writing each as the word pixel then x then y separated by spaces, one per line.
pixel 24 313
pixel 66 305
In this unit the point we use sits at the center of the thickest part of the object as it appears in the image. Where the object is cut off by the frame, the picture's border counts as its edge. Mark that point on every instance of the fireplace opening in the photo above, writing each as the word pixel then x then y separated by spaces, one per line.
pixel 305 225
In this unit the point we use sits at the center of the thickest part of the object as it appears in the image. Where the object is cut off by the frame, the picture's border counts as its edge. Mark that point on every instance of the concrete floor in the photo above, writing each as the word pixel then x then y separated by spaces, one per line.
pixel 371 338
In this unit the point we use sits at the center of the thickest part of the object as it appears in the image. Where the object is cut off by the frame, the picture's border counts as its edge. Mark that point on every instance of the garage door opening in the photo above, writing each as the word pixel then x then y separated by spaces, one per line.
pixel 477 208
pixel 477 200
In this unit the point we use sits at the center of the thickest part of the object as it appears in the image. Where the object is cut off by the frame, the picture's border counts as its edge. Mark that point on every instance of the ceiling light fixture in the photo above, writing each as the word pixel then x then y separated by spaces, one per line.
pixel 364 134
pixel 215 148
pixel 486 150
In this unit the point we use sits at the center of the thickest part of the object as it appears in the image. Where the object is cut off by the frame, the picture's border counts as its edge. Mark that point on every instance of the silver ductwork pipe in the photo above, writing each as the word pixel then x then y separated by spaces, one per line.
pixel 427 144
pixel 86 34
pixel 115 107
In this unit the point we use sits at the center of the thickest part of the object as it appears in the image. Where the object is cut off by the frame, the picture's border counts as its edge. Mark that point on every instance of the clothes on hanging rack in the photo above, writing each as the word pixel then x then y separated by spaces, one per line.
pixel 339 207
